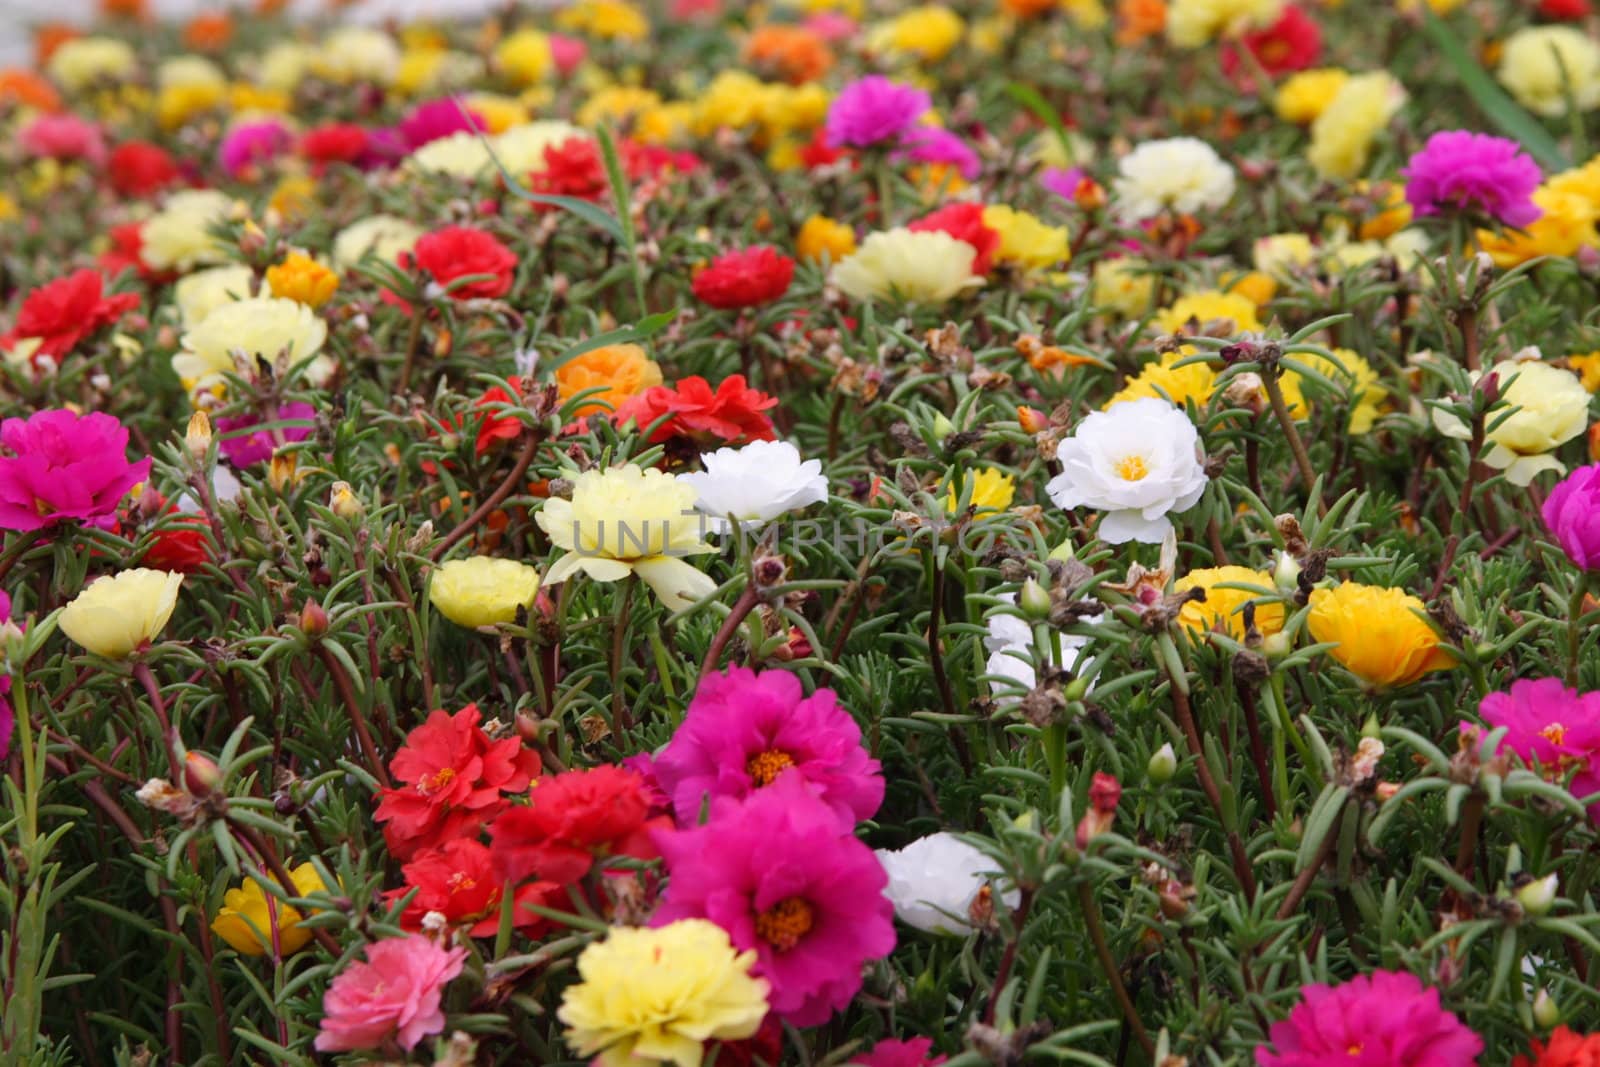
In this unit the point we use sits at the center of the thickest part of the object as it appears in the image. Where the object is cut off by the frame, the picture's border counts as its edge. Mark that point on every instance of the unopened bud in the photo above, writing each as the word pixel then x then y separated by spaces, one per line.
pixel 344 502
pixel 1105 793
pixel 1033 420
pixel 1245 391
pixel 197 438
pixel 1163 764
pixel 200 773
pixel 443 344
pixel 282 473
pixel 1539 895
pixel 1063 553
pixel 1546 1012
pixel 313 619
pixel 942 426
pixel 1034 600
pixel 1370 727
pixel 1286 575
pixel 1277 645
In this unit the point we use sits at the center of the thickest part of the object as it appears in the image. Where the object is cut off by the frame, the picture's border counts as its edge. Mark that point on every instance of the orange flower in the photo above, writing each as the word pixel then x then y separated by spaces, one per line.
pixel 27 88
pixel 622 370
pixel 1027 9
pixel 128 9
pixel 48 37
pixel 302 279
pixel 208 32
pixel 793 53
pixel 1138 19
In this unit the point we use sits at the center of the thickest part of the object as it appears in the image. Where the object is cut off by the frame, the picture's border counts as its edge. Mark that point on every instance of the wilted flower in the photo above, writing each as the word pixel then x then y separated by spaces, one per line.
pixel 113 616
pixel 394 995
pixel 246 918
pixel 482 591
pixel 934 881
pixel 1382 635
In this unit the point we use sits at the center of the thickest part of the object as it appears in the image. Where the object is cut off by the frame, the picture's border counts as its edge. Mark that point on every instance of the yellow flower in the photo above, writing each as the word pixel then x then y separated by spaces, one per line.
pixel 1553 409
pixel 521 148
pixel 1026 242
pixel 628 520
pixel 1351 370
pixel 1588 368
pixel 1566 225
pixel 177 104
pixel 283 66
pixel 1192 23
pixel 1342 135
pixel 927 33
pixel 1254 285
pixel 609 19
pixel 1161 379
pixel 792 108
pixel 524 57
pixel 357 54
pixel 665 124
pixel 178 236
pixel 385 236
pixel 1583 181
pixel 83 61
pixel 245 921
pixel 622 371
pixel 482 591
pixel 1221 608
pixel 293 197
pixel 616 104
pixel 1306 94
pixel 1279 254
pixel 199 294
pixel 431 70
pixel 992 489
pixel 245 97
pixel 1209 306
pixel 499 113
pixel 8 208
pixel 824 240
pixel 115 615
pixel 1381 634
pixel 259 326
pixel 732 101
pixel 658 995
pixel 1394 216
pixel 1542 65
pixel 907 265
pixel 1123 285
pixel 302 279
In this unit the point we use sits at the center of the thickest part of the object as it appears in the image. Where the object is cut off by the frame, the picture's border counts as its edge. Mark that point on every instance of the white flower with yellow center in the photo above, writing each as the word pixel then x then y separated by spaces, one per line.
pixel 1137 463
pixel 179 235
pixel 1182 174
pixel 260 326
pixel 914 266
pixel 629 520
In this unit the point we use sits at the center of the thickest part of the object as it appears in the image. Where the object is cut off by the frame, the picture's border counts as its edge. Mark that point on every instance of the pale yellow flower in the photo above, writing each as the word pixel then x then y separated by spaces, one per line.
pixel 1542 65
pixel 1342 135
pixel 914 266
pixel 482 591
pixel 260 326
pixel 115 615
pixel 178 236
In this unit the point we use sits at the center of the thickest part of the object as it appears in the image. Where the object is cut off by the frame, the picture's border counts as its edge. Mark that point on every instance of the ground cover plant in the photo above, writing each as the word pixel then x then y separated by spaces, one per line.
pixel 823 532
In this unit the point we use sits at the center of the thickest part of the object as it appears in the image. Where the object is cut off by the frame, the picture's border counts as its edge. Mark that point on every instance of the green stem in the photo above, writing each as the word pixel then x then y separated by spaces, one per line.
pixel 1575 627
pixel 1280 410
pixel 621 720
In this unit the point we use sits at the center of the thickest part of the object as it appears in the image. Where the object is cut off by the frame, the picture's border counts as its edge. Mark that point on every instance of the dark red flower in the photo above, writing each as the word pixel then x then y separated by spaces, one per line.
pixel 458 881
pixel 747 278
pixel 765 1046
pixel 964 222
pixel 455 778
pixel 733 414
pixel 65 311
pixel 456 252
pixel 181 542
pixel 139 168
pixel 571 821
pixel 334 142
pixel 817 152
pixel 572 168
pixel 1292 43
pixel 1564 10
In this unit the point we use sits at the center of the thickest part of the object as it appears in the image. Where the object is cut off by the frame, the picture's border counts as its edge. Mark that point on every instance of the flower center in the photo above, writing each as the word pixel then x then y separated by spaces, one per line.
pixel 435 782
pixel 1355 1049
pixel 785 923
pixel 461 882
pixel 1555 733
pixel 1132 468
pixel 764 767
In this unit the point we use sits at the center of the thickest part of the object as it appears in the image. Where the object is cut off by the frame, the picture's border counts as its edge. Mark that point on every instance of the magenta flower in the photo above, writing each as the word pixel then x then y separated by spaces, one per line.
pixel 1458 170
pixel 873 110
pixel 253 143
pixel 394 995
pixel 1385 1019
pixel 1572 514
pixel 57 465
pixel 746 730
pixel 892 1053
pixel 244 445
pixel 776 872
pixel 1062 181
pixel 1550 726
pixel 930 144
pixel 436 119
pixel 567 52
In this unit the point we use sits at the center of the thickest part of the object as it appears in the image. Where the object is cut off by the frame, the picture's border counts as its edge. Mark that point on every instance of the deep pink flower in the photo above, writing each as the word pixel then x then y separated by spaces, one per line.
pixel 892 1053
pixel 874 110
pixel 1385 1019
pixel 744 730
pixel 64 137
pixel 244 444
pixel 1459 170
pixel 394 995
pixel 777 874
pixel 1551 726
pixel 58 465
pixel 931 144
pixel 568 53
pixel 1572 514
pixel 831 25
pixel 253 143
pixel 432 120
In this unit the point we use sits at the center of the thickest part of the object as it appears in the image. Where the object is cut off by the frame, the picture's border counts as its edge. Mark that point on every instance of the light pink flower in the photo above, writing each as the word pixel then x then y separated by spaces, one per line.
pixel 64 137
pixel 395 995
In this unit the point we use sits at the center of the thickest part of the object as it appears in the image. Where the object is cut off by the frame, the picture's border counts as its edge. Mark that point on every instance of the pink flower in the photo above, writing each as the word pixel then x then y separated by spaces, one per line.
pixel 892 1053
pixel 1385 1019
pixel 776 872
pixel 252 144
pixel 394 996
pixel 931 144
pixel 434 119
pixel 61 466
pixel 568 53
pixel 1551 726
pixel 745 730
pixel 873 110
pixel 63 137
pixel 1572 514
pixel 831 25
pixel 245 443
pixel 1460 171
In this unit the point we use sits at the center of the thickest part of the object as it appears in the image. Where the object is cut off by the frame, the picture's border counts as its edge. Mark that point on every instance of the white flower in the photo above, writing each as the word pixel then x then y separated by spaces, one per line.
pixel 1553 408
pixel 917 266
pixel 1009 643
pixel 178 236
pixel 199 294
pixel 463 154
pixel 1180 173
pixel 385 236
pixel 260 326
pixel 933 880
pixel 1136 463
pixel 755 483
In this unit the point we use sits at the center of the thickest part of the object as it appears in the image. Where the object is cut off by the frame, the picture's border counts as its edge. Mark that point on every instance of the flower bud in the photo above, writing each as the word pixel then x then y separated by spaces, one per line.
pixel 313 619
pixel 200 773
pixel 1370 728
pixel 1286 575
pixel 1034 600
pixel 1076 689
pixel 1063 553
pixel 1033 420
pixel 942 426
pixel 1277 645
pixel 1163 765
pixel 1105 793
pixel 1546 1012
pixel 282 473
pixel 1537 896
pixel 197 438
pixel 344 503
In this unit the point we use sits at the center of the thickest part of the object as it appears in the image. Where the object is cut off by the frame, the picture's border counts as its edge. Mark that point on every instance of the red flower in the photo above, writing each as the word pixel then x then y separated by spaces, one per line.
pixel 65 311
pixel 334 142
pixel 493 426
pixel 1564 10
pixel 457 880
pixel 1565 1049
pixel 572 168
pixel 763 1047
pixel 572 820
pixel 139 168
pixel 455 780
pixel 964 222
pixel 455 252
pixel 1290 44
pixel 818 152
pixel 641 161
pixel 127 253
pixel 731 415
pixel 181 542
pixel 745 279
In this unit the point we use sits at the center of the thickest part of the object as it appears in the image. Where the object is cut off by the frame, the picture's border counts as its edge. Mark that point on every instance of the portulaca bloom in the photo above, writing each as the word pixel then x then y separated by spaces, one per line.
pixel 755 484
pixel 1137 463
pixel 916 266
pixel 933 881
pixel 1182 174
pixel 1009 643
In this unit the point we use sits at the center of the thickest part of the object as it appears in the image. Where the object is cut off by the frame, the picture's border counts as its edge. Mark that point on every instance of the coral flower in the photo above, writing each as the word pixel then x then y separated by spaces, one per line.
pixel 457 880
pixel 63 312
pixel 394 995
pixel 618 372
pixel 58 466
pixel 1564 1049
pixel 1380 634
pixel 456 778
pixel 744 730
pixel 730 414
pixel 1385 1019
pixel 776 872
pixel 964 222
pixel 1459 170
pixel 572 821
pixel 747 278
